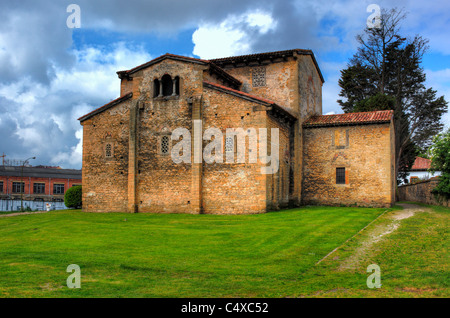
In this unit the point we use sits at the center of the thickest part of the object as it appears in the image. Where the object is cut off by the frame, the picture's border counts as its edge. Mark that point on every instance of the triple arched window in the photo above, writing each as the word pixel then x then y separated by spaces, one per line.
pixel 166 86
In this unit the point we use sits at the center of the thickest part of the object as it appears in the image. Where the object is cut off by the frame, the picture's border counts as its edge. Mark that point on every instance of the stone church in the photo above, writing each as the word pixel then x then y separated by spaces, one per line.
pixel 323 159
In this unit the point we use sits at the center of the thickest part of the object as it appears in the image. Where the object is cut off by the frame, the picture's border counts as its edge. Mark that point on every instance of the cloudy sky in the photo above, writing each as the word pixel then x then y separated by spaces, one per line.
pixel 51 74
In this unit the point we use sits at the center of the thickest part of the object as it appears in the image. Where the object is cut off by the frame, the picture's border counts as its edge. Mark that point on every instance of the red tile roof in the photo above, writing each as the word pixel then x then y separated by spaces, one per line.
pixel 256 55
pixel 374 117
pixel 268 55
pixel 213 67
pixel 251 97
pixel 160 58
pixel 421 164
pixel 105 107
pixel 267 101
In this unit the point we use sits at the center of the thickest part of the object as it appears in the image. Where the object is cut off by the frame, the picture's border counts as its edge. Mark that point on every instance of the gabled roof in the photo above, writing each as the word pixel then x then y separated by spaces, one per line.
pixel 421 164
pixel 267 55
pixel 105 107
pixel 253 98
pixel 375 117
pixel 159 59
pixel 213 67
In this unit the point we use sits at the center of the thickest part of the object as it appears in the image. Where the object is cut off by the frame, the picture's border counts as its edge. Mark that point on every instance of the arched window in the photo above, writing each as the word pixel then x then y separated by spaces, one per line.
pixel 156 86
pixel 167 85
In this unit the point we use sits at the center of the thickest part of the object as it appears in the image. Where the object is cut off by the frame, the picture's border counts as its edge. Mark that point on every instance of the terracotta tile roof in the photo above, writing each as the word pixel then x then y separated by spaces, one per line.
pixel 421 164
pixel 213 67
pixel 254 98
pixel 374 117
pixel 160 58
pixel 266 55
pixel 260 55
pixel 264 100
pixel 105 107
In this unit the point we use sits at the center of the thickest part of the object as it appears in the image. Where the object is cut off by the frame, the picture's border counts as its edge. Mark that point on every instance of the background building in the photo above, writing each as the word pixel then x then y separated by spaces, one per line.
pixel 419 170
pixel 36 185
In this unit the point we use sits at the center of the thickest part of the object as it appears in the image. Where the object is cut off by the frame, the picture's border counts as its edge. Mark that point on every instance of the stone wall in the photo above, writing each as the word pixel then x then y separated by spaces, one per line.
pixel 105 180
pixel 366 153
pixel 280 82
pixel 232 188
pixel 421 192
pixel 139 177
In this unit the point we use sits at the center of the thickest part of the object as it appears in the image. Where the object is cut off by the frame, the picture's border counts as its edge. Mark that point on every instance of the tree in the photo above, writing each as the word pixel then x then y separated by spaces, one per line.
pixel 440 161
pixel 385 73
pixel 72 197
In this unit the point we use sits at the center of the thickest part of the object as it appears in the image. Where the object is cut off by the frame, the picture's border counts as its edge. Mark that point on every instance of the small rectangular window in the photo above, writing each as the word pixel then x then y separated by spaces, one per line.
pixel 414 179
pixel 39 188
pixel 18 187
pixel 1 186
pixel 340 175
pixel 58 189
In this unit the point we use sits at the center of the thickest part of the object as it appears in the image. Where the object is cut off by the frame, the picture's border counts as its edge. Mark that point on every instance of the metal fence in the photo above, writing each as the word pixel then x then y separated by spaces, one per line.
pixel 15 205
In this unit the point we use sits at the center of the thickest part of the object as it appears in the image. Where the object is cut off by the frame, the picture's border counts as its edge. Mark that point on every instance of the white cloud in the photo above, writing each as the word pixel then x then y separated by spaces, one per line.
pixel 43 119
pixel 230 37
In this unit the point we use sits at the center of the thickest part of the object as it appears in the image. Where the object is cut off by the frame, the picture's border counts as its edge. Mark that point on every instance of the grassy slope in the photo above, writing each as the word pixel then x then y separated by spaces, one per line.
pixel 268 255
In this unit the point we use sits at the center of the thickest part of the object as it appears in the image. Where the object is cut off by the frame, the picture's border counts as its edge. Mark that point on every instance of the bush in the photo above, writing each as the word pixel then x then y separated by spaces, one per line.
pixel 440 161
pixel 72 198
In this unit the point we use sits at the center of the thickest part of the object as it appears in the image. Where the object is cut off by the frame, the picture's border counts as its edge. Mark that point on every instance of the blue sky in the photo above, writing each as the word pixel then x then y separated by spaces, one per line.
pixel 50 74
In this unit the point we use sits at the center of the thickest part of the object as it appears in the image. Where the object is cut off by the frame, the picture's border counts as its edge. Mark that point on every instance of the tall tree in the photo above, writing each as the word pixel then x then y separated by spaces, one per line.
pixel 386 73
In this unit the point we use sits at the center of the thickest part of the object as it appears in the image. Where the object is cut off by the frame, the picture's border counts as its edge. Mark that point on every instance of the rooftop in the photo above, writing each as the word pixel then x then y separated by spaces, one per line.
pixel 375 117
pixel 421 164
pixel 258 57
pixel 37 172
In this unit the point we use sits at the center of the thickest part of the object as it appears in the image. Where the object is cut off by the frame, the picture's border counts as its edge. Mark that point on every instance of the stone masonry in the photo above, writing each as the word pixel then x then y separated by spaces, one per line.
pixel 127 143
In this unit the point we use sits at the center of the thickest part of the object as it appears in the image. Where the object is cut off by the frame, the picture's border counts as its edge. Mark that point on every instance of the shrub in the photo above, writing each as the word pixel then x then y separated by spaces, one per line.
pixel 72 198
pixel 440 161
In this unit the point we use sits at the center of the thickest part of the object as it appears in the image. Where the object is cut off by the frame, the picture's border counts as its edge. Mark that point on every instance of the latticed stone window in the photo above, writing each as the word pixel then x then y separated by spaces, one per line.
pixel 108 151
pixel 165 144
pixel 229 144
pixel 259 76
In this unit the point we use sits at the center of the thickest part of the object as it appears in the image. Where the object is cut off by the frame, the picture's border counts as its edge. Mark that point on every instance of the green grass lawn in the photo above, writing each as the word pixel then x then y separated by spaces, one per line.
pixel 178 255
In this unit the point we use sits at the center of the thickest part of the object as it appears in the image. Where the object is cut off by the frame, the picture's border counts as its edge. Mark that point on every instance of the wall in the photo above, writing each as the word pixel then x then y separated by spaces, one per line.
pixel 105 180
pixel 281 82
pixel 10 201
pixel 309 88
pixel 422 175
pixel 421 192
pixel 366 153
pixel 232 188
pixel 163 186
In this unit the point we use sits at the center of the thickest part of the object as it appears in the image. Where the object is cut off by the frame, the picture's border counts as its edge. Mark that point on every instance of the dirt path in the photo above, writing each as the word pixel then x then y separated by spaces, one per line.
pixel 390 223
pixel 20 213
